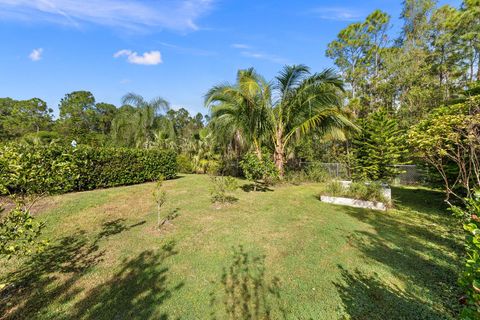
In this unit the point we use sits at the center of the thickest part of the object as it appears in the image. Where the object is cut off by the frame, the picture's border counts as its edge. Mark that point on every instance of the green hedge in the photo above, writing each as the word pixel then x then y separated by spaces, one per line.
pixel 28 169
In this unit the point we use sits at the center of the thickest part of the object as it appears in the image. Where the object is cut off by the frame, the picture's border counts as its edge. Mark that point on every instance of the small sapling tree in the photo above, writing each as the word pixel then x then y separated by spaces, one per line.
pixel 160 197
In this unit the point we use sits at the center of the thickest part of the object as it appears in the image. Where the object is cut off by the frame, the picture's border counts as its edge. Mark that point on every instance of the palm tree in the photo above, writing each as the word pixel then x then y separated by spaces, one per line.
pixel 144 117
pixel 240 110
pixel 296 103
pixel 305 102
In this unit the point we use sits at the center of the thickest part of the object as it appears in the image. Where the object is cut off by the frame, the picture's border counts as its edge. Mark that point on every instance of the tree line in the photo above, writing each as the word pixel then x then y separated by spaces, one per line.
pixel 386 83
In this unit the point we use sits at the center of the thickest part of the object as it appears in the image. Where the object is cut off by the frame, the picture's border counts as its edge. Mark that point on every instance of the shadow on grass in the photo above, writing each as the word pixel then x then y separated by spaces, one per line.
pixel 420 246
pixel 247 294
pixel 367 297
pixel 136 291
pixel 257 186
pixel 426 202
pixel 51 275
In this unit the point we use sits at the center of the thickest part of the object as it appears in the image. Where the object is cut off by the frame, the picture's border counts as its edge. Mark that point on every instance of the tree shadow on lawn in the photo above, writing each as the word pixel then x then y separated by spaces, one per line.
pixel 247 294
pixel 134 292
pixel 51 275
pixel 256 186
pixel 425 202
pixel 423 255
pixel 367 297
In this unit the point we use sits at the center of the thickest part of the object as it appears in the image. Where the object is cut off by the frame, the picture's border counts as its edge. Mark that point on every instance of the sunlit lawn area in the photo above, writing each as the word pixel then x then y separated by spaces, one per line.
pixel 106 260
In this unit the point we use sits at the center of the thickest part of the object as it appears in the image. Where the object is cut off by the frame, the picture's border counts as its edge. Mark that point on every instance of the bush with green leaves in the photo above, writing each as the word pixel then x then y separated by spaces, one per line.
pixel 470 276
pixel 368 191
pixel 19 233
pixel 47 169
pixel 334 188
pixel 36 169
pixel 222 187
pixel 315 172
pixel 371 191
pixel 449 140
pixel 255 169
pixel 184 164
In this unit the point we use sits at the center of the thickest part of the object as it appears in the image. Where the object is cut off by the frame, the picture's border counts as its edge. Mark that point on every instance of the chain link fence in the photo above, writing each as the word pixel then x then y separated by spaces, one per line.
pixel 409 173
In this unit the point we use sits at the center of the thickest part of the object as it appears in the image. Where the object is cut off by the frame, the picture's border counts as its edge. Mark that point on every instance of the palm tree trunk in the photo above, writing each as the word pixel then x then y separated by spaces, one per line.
pixel 258 149
pixel 279 153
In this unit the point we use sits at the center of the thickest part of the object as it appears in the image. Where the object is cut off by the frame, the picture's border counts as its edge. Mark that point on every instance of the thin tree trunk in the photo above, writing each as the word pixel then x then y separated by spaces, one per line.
pixel 258 149
pixel 279 153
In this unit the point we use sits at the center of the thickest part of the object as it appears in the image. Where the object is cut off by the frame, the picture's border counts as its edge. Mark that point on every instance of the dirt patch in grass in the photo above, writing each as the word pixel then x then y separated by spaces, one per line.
pixel 39 206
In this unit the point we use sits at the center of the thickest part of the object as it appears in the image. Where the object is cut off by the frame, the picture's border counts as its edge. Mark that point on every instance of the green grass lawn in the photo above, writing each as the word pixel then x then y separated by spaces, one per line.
pixel 275 254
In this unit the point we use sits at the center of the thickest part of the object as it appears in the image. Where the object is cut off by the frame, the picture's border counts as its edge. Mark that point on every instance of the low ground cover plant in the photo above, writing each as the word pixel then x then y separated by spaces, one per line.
pixel 222 188
pixel 259 170
pixel 370 191
pixel 315 172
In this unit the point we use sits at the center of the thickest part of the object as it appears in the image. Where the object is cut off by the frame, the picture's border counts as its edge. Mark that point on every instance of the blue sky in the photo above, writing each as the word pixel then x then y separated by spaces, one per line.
pixel 176 49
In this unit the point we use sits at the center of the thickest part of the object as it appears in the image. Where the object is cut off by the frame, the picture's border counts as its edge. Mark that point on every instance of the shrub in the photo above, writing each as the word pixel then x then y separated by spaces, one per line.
pixel 256 169
pixel 470 276
pixel 56 169
pixel 19 233
pixel 317 173
pixel 356 190
pixel 296 177
pixel 184 164
pixel 35 170
pixel 221 188
pixel 334 188
pixel 366 191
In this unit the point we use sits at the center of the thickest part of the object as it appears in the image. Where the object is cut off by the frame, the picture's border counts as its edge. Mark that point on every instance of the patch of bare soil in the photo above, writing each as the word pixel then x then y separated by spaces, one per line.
pixel 39 206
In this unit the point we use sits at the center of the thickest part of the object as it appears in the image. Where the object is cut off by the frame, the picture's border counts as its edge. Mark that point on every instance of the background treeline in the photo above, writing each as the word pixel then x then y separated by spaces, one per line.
pixel 393 80
pixel 33 170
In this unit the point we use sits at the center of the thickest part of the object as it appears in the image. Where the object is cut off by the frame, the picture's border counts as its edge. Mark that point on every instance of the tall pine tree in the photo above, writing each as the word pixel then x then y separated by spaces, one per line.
pixel 378 147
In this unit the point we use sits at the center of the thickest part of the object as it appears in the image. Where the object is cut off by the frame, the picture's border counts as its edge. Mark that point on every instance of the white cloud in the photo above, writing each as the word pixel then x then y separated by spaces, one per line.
pixel 148 58
pixel 240 46
pixel 36 54
pixel 336 13
pixel 129 14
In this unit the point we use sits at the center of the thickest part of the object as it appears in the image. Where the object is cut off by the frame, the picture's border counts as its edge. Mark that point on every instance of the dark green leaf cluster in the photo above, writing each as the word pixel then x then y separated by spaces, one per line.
pixel 47 169
pixel 470 276
pixel 379 146
pixel 18 233
pixel 255 169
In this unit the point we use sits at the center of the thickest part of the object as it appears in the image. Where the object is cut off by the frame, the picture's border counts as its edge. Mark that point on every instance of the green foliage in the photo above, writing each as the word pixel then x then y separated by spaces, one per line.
pixel 315 172
pixel 378 147
pixel 246 114
pixel 222 187
pixel 21 117
pixel 43 169
pixel 449 140
pixel 36 169
pixel 135 126
pixel 334 188
pixel 19 233
pixel 470 276
pixel 368 191
pixel 255 169
pixel 184 164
